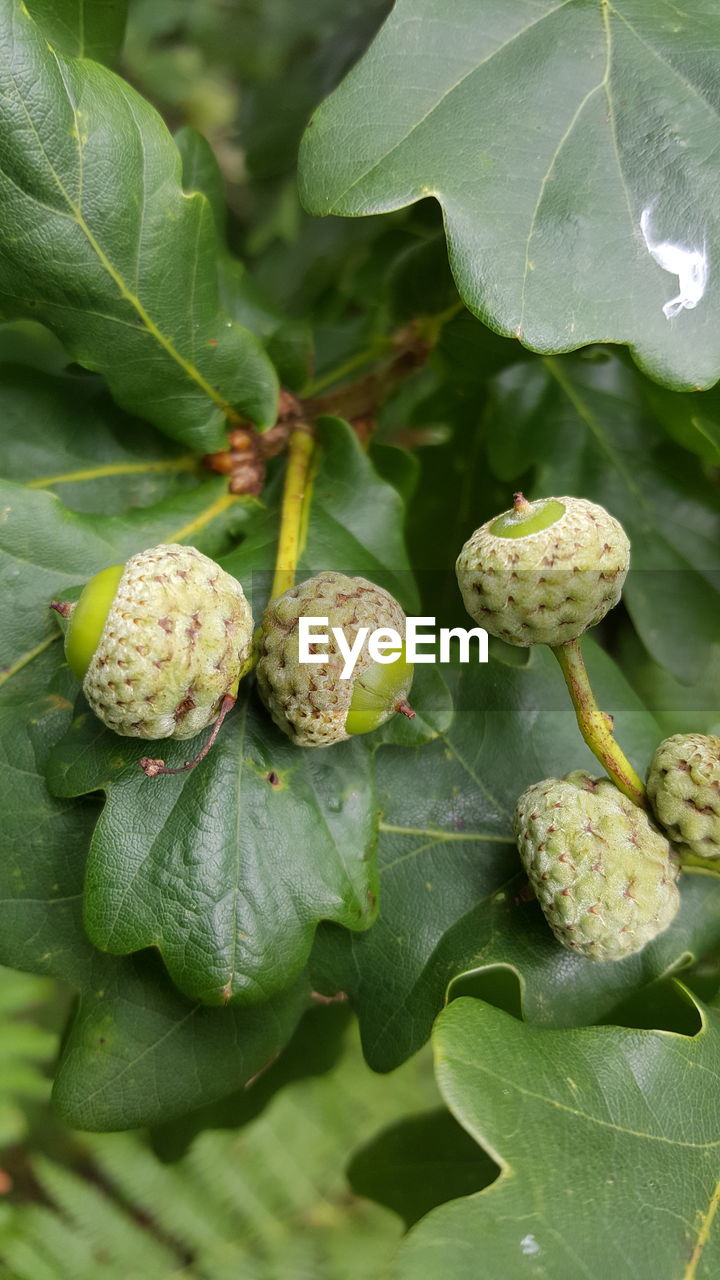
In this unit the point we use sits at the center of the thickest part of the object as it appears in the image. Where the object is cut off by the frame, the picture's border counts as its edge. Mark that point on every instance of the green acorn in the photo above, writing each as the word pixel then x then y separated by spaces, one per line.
pixel 159 642
pixel 683 786
pixel 605 877
pixel 312 703
pixel 545 571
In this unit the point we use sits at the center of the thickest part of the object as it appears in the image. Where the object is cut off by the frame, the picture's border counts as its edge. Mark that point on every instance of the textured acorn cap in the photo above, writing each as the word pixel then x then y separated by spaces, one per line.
pixel 309 702
pixel 178 631
pixel 684 789
pixel 605 877
pixel 547 587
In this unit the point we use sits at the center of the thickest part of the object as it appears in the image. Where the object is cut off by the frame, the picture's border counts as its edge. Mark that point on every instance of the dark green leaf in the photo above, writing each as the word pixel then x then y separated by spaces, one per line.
pixel 314 1050
pixel 226 869
pixel 568 146
pixel 137 1053
pixel 82 28
pixel 584 427
pixel 65 434
pixel 419 1163
pixel 131 284
pixel 450 875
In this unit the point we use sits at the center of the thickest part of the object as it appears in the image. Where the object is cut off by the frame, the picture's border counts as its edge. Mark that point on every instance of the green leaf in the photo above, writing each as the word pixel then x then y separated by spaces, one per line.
pixel 66 435
pixel 287 837
pixel 561 140
pixel 138 1053
pixel 226 869
pixel 131 285
pixel 82 28
pixel 314 1050
pixel 288 342
pixel 678 708
pixel 419 1163
pixel 269 1202
pixel 584 427
pixel 592 1134
pixel 450 875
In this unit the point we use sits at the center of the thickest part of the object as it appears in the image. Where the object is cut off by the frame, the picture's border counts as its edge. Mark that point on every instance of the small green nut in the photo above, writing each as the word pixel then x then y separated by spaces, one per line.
pixel 311 702
pixel 683 786
pixel 545 571
pixel 159 642
pixel 605 877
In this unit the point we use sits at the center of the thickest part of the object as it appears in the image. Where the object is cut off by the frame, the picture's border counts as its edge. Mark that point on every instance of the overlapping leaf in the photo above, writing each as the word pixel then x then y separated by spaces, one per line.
pixel 584 427
pixel 137 1051
pixel 608 1140
pixel 100 242
pixel 64 434
pixel 570 148
pixel 449 872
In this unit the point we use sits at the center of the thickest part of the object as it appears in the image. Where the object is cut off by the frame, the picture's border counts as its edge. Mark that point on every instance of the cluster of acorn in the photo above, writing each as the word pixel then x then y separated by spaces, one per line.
pixel 161 643
pixel 603 870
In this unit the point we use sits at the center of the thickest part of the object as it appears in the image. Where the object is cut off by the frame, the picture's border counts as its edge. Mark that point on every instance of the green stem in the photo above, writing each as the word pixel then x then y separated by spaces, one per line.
pixel 595 726
pixel 296 497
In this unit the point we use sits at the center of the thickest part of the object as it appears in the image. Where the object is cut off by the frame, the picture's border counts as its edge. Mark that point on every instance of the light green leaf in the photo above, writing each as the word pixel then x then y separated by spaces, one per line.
pixel 608 1143
pixel 570 146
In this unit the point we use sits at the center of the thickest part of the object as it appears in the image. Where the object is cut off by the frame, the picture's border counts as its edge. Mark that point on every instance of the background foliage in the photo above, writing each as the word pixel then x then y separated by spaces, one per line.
pixel 174 973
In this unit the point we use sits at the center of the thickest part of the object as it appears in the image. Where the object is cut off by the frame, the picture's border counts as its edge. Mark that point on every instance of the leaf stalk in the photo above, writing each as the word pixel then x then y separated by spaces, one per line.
pixel 595 725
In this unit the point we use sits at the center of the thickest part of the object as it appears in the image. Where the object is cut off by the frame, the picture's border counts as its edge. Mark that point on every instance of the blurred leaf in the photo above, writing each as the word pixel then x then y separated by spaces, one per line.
pixel 450 875
pixel 560 140
pixel 25 1050
pixel 692 420
pixel 313 1050
pixel 595 1116
pixel 583 427
pixel 82 28
pixel 269 1202
pixel 112 206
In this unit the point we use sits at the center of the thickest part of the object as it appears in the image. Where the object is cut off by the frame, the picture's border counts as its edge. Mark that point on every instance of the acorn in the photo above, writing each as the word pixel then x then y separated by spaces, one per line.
pixel 311 702
pixel 604 875
pixel 545 571
pixel 159 642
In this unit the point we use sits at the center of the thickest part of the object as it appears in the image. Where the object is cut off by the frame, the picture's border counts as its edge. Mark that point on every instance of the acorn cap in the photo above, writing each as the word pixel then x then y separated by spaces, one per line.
pixel 549 586
pixel 683 786
pixel 310 702
pixel 605 877
pixel 176 636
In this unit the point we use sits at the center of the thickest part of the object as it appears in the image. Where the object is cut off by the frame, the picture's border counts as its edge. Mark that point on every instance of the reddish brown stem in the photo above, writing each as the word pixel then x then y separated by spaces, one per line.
pixel 62 607
pixel 151 768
